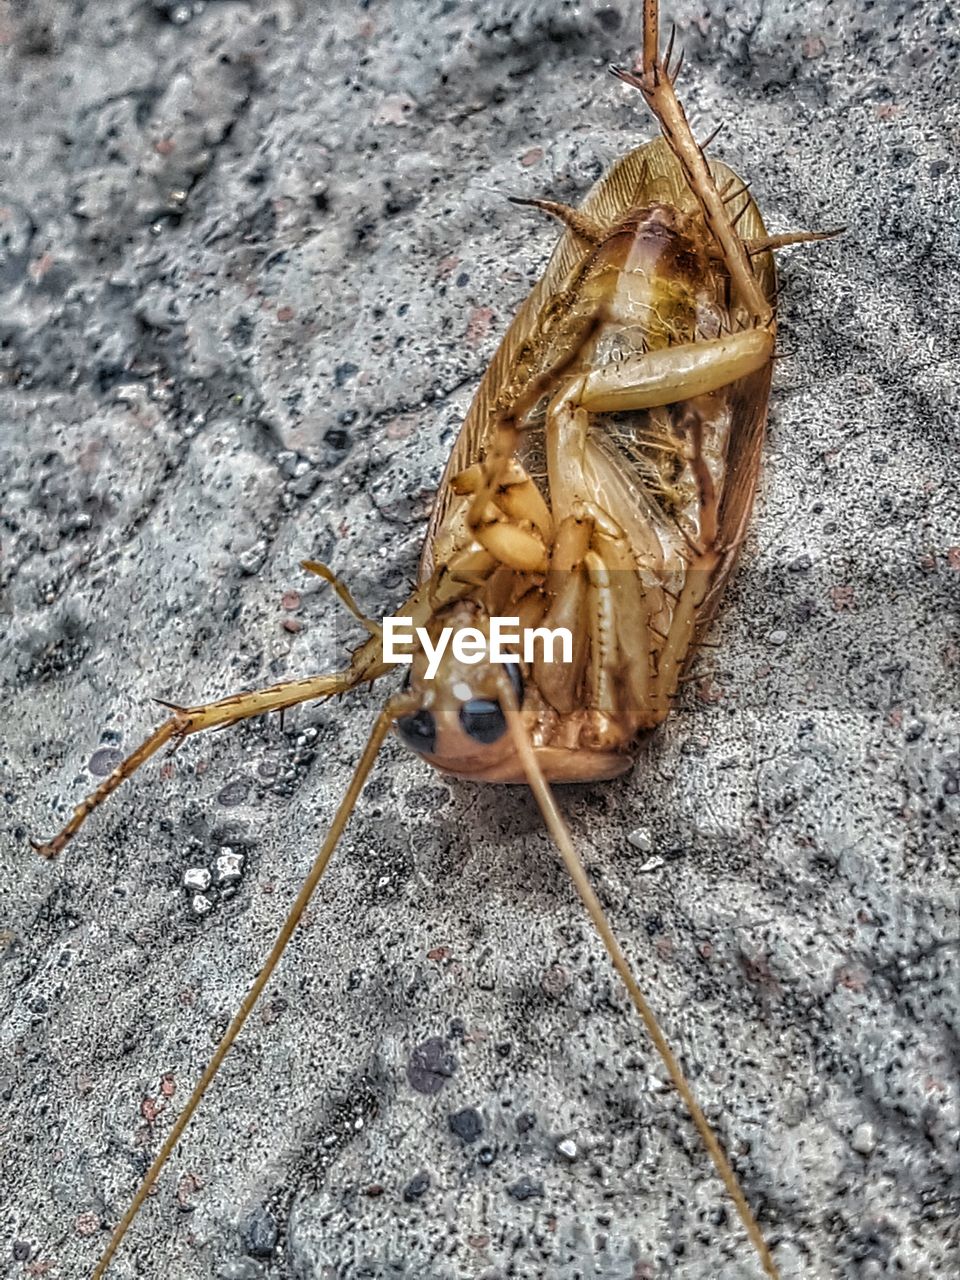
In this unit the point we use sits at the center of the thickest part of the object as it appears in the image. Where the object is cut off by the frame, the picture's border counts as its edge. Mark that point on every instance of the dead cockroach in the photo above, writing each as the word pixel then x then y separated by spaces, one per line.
pixel 635 379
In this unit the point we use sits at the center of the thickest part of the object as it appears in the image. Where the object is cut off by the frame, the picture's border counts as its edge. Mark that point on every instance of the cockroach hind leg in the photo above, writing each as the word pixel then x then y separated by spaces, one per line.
pixel 656 86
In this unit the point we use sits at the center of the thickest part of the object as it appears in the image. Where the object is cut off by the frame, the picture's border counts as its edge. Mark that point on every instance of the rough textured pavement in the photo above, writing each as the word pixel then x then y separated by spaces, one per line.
pixel 253 260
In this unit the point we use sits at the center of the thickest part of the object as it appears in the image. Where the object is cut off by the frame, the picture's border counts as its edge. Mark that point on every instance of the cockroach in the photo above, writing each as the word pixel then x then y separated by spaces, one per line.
pixel 601 482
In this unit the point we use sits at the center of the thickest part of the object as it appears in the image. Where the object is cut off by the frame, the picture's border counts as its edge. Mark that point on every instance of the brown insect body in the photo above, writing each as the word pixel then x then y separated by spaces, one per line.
pixel 602 482
pixel 650 280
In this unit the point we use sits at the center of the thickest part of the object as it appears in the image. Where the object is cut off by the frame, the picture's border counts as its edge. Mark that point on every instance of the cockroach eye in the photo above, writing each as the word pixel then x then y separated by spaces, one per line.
pixel 483 720
pixel 419 731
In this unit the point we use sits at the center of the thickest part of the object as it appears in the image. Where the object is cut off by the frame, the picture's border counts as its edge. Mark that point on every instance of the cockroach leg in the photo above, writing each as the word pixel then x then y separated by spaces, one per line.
pixel 675 373
pixel 696 583
pixel 516 496
pixel 344 594
pixel 651 36
pixel 366 665
pixel 513 411
pixel 512 545
pixel 656 85
pixel 602 694
pixel 516 527
pixel 631 608
pixel 394 708
pixel 566 588
pixel 769 243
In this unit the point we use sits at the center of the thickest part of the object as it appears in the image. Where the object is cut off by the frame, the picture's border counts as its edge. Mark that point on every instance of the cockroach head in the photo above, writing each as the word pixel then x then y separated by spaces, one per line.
pixel 458 722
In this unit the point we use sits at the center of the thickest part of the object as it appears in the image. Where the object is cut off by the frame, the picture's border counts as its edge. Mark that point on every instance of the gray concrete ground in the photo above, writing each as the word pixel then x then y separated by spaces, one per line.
pixel 253 260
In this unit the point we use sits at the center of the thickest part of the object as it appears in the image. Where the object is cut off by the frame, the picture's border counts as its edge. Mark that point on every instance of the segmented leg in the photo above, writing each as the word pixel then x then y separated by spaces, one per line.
pixel 697 580
pixel 344 594
pixel 675 373
pixel 367 665
pixel 619 593
pixel 455 580
pixel 505 439
pixel 655 80
pixel 566 587
pixel 582 226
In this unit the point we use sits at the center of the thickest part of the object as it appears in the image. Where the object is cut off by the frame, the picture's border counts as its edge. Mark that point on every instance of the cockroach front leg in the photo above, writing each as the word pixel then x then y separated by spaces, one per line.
pixel 512 413
pixel 366 665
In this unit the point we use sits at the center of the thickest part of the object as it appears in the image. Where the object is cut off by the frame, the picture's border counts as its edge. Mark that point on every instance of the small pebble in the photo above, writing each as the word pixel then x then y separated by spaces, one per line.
pixel 467 1124
pixel 234 792
pixel 555 980
pixel 526 1189
pixel 104 761
pixel 526 1121
pixel 251 561
pixel 430 1067
pixel 200 904
pixel 260 1233
pixel 415 1188
pixel 567 1148
pixel 777 637
pixel 228 866
pixel 641 839
pixel 304 485
pixel 864 1139
pixel 197 878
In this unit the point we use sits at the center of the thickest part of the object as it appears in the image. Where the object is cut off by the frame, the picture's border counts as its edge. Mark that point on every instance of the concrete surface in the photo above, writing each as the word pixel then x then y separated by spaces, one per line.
pixel 253 260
